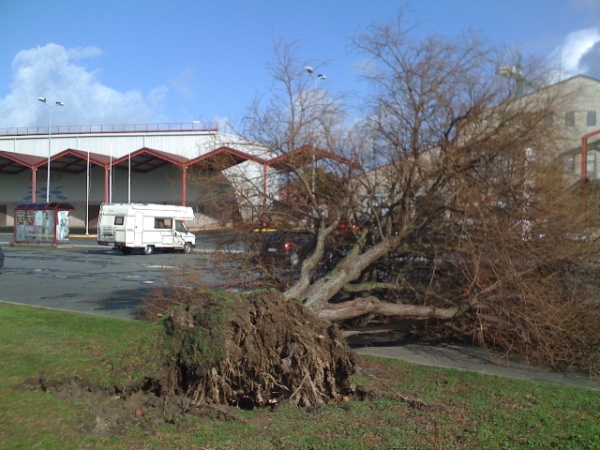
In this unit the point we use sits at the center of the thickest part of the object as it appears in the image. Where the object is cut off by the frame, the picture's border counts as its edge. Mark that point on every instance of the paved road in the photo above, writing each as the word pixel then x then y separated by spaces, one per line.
pixel 85 277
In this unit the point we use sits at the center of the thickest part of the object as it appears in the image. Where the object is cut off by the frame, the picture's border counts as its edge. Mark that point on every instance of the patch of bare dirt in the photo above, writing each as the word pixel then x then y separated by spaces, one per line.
pixel 113 411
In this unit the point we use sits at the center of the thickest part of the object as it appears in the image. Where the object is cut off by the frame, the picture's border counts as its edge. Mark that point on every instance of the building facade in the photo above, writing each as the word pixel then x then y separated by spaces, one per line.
pixel 156 163
pixel 578 115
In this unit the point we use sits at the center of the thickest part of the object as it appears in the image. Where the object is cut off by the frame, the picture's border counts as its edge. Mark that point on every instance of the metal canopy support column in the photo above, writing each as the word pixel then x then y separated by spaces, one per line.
pixel 33 183
pixel 184 185
pixel 106 183
pixel 265 167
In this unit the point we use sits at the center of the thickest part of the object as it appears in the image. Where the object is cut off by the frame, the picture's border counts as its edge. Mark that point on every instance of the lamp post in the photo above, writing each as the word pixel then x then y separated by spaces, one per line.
pixel 317 77
pixel 516 73
pixel 311 71
pixel 50 108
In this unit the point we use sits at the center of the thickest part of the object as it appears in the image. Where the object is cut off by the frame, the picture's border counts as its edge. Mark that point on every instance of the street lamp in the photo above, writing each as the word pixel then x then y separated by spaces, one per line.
pixel 50 108
pixel 318 77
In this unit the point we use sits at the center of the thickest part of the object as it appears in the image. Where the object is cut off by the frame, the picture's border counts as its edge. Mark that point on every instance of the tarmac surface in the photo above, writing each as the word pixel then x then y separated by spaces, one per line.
pixel 472 359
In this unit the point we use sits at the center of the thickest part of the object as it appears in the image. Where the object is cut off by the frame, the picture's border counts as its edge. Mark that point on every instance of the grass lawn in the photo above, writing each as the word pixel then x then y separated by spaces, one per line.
pixel 462 409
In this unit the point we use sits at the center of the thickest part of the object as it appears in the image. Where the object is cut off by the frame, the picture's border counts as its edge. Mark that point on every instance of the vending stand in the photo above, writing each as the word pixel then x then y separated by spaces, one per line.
pixel 42 223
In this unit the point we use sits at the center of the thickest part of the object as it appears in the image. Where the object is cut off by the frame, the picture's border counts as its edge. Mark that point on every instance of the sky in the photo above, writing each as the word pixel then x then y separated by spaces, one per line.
pixel 156 61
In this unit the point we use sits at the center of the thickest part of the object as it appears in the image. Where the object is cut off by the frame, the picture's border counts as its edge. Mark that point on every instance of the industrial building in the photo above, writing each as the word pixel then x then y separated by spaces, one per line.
pixel 151 163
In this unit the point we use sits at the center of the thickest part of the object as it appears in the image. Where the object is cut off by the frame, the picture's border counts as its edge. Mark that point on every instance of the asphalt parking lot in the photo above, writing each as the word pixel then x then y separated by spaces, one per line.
pixel 85 277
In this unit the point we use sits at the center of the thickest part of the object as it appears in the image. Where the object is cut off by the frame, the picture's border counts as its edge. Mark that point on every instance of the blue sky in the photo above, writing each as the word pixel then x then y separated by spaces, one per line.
pixel 130 61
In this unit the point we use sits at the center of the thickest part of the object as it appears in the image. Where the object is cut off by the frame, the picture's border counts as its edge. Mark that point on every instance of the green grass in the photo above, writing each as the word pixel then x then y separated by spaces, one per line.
pixel 464 410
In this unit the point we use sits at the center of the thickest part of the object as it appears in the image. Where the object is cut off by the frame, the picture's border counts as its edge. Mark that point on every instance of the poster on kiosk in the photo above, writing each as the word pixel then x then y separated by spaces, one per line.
pixel 42 223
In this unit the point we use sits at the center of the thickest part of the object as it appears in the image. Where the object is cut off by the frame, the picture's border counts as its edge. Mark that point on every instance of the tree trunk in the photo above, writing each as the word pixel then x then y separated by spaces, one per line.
pixel 317 295
pixel 359 307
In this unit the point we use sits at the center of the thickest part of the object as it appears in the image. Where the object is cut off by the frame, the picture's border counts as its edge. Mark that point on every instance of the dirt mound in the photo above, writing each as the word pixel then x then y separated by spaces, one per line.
pixel 256 351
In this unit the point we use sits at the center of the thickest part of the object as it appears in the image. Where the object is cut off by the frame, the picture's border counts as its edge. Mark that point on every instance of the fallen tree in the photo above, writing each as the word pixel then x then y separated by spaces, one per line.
pixel 461 217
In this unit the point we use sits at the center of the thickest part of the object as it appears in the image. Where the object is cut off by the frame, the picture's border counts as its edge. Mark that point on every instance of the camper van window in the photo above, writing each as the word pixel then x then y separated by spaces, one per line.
pixel 180 226
pixel 163 223
pixel 119 220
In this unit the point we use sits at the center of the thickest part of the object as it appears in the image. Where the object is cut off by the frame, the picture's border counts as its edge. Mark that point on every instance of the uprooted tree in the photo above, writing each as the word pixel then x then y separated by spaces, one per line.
pixel 463 226
pixel 443 214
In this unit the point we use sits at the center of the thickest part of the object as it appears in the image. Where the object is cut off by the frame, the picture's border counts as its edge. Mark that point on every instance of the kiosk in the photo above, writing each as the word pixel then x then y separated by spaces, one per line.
pixel 42 223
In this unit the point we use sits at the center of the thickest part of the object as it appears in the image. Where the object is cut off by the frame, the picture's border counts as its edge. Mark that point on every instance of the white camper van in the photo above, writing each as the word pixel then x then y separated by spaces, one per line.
pixel 146 226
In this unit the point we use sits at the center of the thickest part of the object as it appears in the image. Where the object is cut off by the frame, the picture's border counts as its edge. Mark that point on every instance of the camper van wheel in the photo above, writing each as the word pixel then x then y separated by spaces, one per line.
pixel 148 249
pixel 187 247
pixel 126 250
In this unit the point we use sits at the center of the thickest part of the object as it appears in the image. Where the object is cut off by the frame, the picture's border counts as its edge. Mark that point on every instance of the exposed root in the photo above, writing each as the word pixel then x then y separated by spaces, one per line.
pixel 265 350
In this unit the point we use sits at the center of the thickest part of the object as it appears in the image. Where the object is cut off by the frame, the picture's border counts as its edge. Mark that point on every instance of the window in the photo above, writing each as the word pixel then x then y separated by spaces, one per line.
pixel 163 223
pixel 119 220
pixel 569 163
pixel 591 162
pixel 591 118
pixel 570 119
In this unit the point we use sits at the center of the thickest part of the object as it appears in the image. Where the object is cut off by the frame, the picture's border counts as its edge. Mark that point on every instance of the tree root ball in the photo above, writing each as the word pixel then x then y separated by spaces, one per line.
pixel 255 351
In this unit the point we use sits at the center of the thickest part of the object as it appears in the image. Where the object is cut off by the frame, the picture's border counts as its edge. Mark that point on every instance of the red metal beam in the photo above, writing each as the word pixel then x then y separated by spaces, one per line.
pixel 584 151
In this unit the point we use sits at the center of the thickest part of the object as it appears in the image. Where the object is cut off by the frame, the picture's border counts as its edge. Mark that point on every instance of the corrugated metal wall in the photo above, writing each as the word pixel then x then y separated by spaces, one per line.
pixel 189 144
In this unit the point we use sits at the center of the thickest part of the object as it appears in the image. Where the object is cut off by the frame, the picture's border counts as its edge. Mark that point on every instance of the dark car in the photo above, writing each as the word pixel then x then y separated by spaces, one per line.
pixel 284 248
pixel 1 256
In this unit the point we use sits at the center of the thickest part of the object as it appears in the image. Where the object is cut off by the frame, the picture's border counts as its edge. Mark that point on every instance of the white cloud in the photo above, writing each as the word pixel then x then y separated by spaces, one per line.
pixel 85 52
pixel 578 52
pixel 51 71
pixel 182 83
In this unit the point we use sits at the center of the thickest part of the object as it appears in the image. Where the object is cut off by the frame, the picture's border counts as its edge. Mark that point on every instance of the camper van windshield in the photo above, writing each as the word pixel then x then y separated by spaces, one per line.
pixel 180 226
